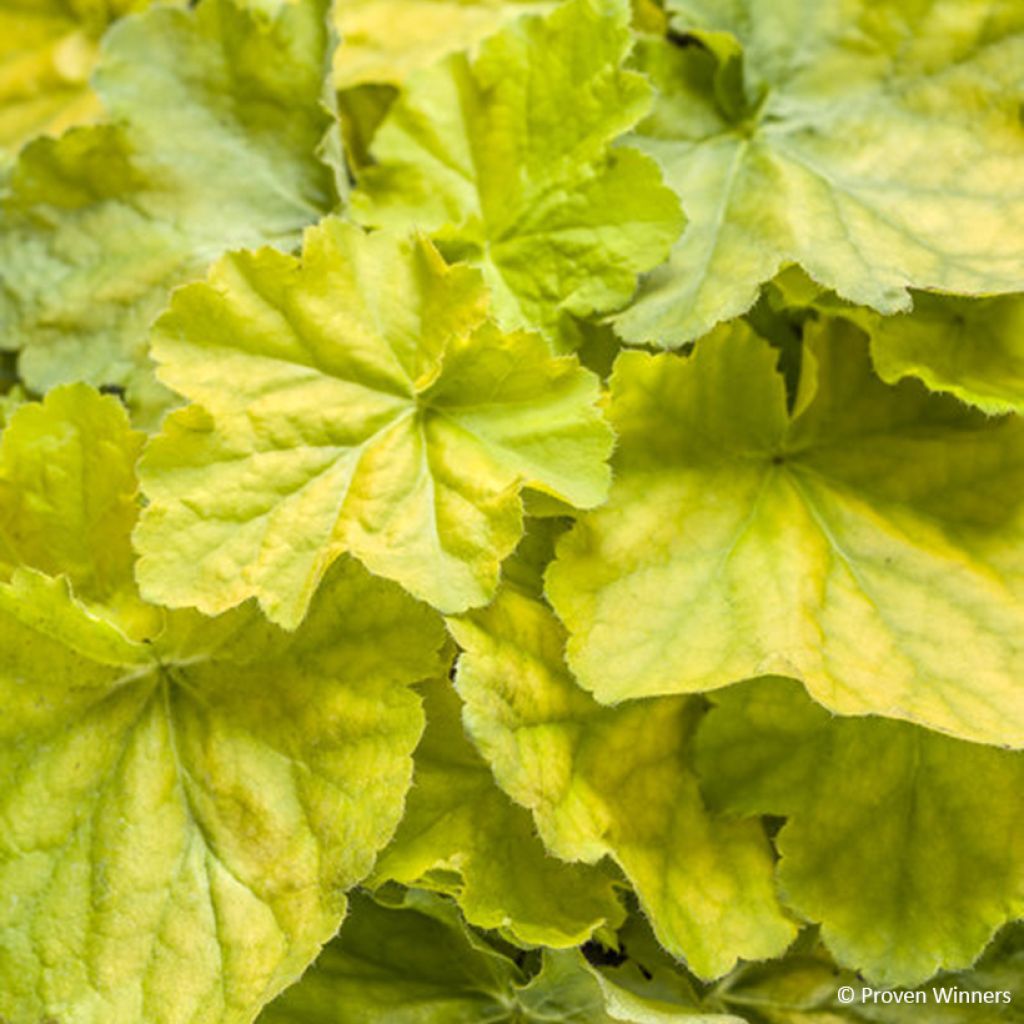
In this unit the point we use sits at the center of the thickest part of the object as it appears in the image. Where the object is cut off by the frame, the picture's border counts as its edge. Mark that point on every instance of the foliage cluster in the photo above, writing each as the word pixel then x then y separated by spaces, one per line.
pixel 536 486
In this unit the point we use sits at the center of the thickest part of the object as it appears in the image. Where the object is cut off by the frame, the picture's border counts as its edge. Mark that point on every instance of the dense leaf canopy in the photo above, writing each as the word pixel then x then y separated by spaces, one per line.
pixel 511 512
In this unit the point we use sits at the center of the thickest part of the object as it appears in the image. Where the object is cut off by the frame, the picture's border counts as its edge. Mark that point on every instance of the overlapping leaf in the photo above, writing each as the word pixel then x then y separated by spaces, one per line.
pixel 905 844
pixel 971 348
pixel 871 545
pixel 417 963
pixel 877 144
pixel 182 815
pixel 615 782
pixel 48 49
pixel 217 119
pixel 383 41
pixel 458 822
pixel 68 494
pixel 372 409
pixel 479 152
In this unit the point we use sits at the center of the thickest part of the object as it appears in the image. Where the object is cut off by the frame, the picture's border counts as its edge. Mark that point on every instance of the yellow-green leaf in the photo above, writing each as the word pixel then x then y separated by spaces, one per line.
pixel 616 782
pixel 559 223
pixel 971 348
pixel 458 821
pixel 872 545
pixel 383 41
pixel 68 494
pixel 906 845
pixel 877 143
pixel 182 817
pixel 372 409
pixel 48 49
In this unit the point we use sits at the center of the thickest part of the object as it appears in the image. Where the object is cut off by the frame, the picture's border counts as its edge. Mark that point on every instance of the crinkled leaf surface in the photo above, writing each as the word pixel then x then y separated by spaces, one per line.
pixel 48 49
pixel 372 410
pixel 971 348
pixel 217 121
pixel 374 49
pixel 871 546
pixel 616 782
pixel 876 142
pixel 68 492
pixel 180 815
pixel 558 223
pixel 457 819
pixel 907 845
pixel 181 818
pixel 417 963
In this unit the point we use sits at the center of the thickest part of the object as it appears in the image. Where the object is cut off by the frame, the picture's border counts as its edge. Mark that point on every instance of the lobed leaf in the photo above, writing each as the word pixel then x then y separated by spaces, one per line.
pixel 971 348
pixel 458 822
pixel 559 223
pixel 182 817
pixel 877 144
pixel 868 545
pixel 905 844
pixel 615 782
pixel 372 410
pixel 68 492
pixel 216 119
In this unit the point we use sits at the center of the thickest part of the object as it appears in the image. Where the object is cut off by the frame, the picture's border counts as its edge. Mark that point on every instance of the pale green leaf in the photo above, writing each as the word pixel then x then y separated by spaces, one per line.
pixel 559 223
pixel 457 820
pixel 972 348
pixel 872 546
pixel 181 818
pixel 877 143
pixel 384 41
pixel 68 493
pixel 372 409
pixel 615 782
pixel 217 118
pixel 905 844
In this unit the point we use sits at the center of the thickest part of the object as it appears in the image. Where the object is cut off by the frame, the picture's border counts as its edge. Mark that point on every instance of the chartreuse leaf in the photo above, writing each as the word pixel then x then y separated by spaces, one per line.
pixel 904 843
pixel 417 963
pixel 180 815
pixel 877 144
pixel 48 49
pixel 372 410
pixel 457 820
pixel 68 494
pixel 972 348
pixel 559 223
pixel 374 50
pixel 615 782
pixel 870 546
pixel 181 818
pixel 218 118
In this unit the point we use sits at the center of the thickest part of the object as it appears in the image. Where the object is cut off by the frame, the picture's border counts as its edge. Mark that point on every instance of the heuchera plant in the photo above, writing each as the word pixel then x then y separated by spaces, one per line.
pixel 511 512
